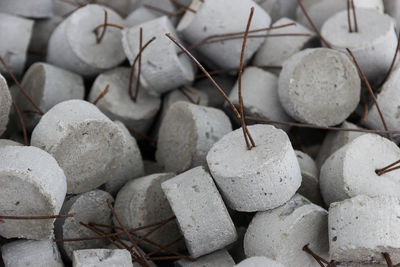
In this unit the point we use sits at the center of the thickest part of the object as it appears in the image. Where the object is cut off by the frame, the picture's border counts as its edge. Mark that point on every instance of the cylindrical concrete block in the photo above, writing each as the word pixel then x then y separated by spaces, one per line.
pixel 276 50
pixel 221 17
pixel 13 48
pixel 142 202
pixel 88 207
pixel 31 9
pixel 373 45
pixel 310 178
pixel 7 142
pixel 351 170
pixel 215 99
pixel 33 184
pixel 279 8
pixel 281 234
pixel 5 104
pixel 201 214
pixel 259 179
pixel 24 253
pixel 85 143
pixel 162 68
pixel 321 10
pixel 362 228
pixel 102 258
pixel 187 133
pixel 259 261
pixel 62 9
pixel 131 163
pixel 117 103
pixel 47 85
pixel 388 99
pixel 260 96
pixel 392 7
pixel 139 16
pixel 42 30
pixel 73 45
pixel 122 7
pixel 220 258
pixel 335 140
pixel 329 96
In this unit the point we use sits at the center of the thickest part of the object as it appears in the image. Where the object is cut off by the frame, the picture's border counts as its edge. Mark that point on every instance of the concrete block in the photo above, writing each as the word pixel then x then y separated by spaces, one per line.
pixel 102 258
pixel 220 258
pixel 279 8
pixel 259 179
pixel 5 104
pixel 259 262
pixel 32 9
pixel 201 214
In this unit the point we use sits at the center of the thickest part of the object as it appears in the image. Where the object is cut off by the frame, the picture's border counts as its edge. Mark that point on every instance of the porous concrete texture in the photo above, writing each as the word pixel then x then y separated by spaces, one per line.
pixel 7 142
pixel 279 8
pixel 117 104
pixel 335 140
pixel 24 253
pixel 351 170
pixel 139 16
pixel 142 202
pixel 281 233
pixel 86 144
pixel 373 45
pixel 73 44
pixel 220 258
pixel 321 10
pixel 319 86
pixel 231 16
pixel 87 207
pixel 215 99
pixel 32 9
pixel 131 163
pixel 42 30
pixel 259 261
pixel 259 179
pixel 201 214
pixel 187 133
pixel 362 228
pixel 13 49
pixel 275 50
pixel 162 68
pixel 5 104
pixel 33 184
pixel 260 96
pixel 102 258
pixel 388 100
pixel 310 178
pixel 47 85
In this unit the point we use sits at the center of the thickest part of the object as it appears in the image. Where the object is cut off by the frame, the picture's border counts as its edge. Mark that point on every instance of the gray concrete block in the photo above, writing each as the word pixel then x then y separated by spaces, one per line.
pixel 259 179
pixel 373 45
pixel 276 50
pixel 13 48
pixel 73 45
pixel 162 68
pixel 7 142
pixel 117 103
pixel 47 85
pixel 260 96
pixel 279 8
pixel 329 97
pixel 230 16
pixel 130 164
pixel 33 184
pixel 351 170
pixel 187 133
pixel 220 258
pixel 24 253
pixel 5 104
pixel 201 214
pixel 31 9
pixel 362 228
pixel 281 233
pixel 88 207
pixel 139 16
pixel 86 144
pixel 102 258
pixel 142 202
